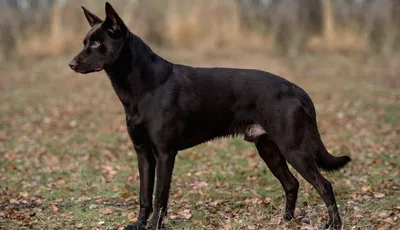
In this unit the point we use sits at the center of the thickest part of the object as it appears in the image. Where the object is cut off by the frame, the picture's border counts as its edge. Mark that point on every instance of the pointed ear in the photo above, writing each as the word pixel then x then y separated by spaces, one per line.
pixel 92 18
pixel 113 22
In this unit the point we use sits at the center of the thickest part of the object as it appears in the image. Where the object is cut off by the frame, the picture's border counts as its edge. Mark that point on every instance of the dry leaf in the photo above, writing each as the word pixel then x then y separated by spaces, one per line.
pixel 131 217
pixel 383 214
pixel 389 220
pixel 60 181
pixel 107 211
pixel 133 220
pixel 101 222
pixel 125 195
pixel 24 194
pixel 366 188
pixel 185 214
pixel 79 225
pixel 267 200
pixel 378 195
pixel 73 123
pixel 54 207
pixel 227 226
pixel 4 136
pixel 297 212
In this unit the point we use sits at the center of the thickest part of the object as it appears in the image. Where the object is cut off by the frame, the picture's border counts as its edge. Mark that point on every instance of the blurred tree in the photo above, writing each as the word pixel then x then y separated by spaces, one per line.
pixel 291 23
pixel 294 22
pixel 379 25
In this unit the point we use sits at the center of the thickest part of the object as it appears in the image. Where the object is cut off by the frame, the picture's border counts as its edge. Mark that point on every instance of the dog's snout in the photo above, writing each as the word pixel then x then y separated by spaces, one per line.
pixel 72 64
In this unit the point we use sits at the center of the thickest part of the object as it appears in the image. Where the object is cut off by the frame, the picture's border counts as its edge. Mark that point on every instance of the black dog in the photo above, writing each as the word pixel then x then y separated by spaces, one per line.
pixel 170 107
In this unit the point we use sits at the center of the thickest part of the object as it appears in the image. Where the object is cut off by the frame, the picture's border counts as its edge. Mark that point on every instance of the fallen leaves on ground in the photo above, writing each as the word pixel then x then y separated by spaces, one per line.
pixel 68 162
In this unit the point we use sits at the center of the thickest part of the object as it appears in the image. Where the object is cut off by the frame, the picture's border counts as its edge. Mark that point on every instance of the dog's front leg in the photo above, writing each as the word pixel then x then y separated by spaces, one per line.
pixel 165 166
pixel 147 165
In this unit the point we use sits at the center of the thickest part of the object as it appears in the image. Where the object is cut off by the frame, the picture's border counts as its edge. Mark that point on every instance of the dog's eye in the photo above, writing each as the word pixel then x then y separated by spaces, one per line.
pixel 95 44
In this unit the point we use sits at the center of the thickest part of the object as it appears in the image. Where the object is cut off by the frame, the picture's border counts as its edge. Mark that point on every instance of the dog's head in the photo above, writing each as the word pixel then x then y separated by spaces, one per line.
pixel 103 42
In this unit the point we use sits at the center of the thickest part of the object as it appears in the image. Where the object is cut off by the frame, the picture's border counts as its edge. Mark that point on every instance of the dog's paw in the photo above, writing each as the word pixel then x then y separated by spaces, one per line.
pixel 333 225
pixel 135 226
pixel 288 215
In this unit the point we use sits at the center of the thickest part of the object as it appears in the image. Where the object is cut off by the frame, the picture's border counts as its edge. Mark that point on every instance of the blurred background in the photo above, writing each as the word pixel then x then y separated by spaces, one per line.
pixel 288 27
pixel 67 162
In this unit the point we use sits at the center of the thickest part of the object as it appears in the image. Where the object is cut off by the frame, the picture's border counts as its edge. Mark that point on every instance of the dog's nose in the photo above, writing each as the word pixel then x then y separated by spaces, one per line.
pixel 72 64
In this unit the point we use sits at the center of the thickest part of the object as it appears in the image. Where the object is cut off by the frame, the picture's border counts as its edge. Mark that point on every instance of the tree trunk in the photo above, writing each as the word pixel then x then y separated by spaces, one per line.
pixel 328 20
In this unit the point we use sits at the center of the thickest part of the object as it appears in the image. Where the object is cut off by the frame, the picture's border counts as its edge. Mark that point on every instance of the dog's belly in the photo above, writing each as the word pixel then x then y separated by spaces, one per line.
pixel 251 133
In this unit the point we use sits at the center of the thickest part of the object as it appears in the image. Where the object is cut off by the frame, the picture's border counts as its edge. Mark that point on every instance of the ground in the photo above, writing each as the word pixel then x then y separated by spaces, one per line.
pixel 67 161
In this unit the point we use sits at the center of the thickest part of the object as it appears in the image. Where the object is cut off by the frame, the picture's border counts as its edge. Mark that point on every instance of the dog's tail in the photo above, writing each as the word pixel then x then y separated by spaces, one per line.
pixel 328 162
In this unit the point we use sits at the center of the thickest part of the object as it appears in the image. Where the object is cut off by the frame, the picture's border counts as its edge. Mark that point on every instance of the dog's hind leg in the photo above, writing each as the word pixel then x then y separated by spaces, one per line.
pixel 296 136
pixel 307 167
pixel 272 156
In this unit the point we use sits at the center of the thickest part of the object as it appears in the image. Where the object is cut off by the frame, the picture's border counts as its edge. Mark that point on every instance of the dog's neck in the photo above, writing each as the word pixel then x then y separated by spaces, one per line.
pixel 137 70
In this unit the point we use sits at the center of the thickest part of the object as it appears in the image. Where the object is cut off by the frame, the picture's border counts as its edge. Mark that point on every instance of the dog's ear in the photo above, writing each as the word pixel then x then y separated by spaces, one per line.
pixel 92 18
pixel 113 22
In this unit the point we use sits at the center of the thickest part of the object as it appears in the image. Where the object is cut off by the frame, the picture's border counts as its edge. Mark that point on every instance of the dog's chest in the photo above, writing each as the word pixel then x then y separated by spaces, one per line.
pixel 136 129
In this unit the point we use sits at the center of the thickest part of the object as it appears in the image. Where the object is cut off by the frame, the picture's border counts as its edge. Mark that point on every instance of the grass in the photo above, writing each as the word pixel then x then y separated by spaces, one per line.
pixel 68 163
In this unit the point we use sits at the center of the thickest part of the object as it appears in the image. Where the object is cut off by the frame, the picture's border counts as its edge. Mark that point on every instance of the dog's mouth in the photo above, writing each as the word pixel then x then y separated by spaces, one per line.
pixel 83 71
pixel 83 68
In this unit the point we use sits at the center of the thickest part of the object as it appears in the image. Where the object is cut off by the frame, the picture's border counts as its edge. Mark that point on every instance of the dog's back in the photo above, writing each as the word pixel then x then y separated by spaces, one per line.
pixel 206 103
